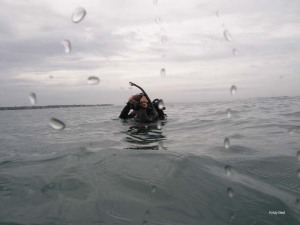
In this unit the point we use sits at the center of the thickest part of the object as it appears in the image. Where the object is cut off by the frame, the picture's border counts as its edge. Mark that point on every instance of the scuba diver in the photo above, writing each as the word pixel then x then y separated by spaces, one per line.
pixel 144 111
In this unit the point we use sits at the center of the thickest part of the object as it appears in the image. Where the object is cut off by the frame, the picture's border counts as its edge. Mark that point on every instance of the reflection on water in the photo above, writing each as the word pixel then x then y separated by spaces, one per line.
pixel 145 136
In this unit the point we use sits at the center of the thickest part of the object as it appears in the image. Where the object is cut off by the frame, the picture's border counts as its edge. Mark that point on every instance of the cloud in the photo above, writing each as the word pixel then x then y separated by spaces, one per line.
pixel 121 41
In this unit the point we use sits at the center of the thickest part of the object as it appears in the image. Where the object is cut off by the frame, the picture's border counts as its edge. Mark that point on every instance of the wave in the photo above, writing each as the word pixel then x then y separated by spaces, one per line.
pixel 294 114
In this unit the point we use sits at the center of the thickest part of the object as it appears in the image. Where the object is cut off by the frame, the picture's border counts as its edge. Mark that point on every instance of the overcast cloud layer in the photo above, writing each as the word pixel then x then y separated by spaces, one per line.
pixel 132 40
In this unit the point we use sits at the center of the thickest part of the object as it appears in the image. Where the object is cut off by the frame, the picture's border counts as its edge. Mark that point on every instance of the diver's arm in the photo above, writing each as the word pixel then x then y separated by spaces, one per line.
pixel 133 103
pixel 125 111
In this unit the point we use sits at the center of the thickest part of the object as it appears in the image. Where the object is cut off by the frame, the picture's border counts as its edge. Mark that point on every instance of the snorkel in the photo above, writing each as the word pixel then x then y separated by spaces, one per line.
pixel 150 102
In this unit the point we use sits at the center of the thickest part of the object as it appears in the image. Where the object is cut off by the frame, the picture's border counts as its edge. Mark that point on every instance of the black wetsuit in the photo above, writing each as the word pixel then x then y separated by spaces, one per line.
pixel 125 112
pixel 141 115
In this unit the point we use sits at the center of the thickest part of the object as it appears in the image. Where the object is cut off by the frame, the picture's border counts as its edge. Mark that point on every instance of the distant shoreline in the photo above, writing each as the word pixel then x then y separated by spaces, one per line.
pixel 50 106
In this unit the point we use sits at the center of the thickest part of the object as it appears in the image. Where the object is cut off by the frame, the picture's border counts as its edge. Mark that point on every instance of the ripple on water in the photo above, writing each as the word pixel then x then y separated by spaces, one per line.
pixel 69 186
pixel 275 170
pixel 294 114
pixel 107 183
pixel 122 189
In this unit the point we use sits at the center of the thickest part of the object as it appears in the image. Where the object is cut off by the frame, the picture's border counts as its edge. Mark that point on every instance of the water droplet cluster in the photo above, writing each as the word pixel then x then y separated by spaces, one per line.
pixel 227 168
pixel 233 91
pixel 227 35
pixel 163 38
pixel 77 16
pixel 297 202
pixel 54 123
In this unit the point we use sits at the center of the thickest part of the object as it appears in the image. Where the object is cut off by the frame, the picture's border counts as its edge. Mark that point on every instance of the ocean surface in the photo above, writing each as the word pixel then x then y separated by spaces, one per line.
pixel 204 165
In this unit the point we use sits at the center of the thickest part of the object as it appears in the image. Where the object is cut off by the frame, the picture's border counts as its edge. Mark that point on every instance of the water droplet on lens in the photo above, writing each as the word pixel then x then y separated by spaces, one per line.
pixel 50 76
pixel 57 124
pixel 161 145
pixel 67 44
pixel 227 35
pixel 32 98
pixel 230 192
pixel 228 170
pixel 226 143
pixel 298 155
pixel 235 52
pixel 298 173
pixel 218 14
pixel 78 14
pixel 158 125
pixel 228 112
pixel 163 72
pixel 153 189
pixel 155 2
pixel 164 39
pixel 92 80
pixel 233 90
pixel 157 20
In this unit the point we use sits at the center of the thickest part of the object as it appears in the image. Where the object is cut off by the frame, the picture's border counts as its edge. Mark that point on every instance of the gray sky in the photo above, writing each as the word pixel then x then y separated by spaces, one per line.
pixel 132 40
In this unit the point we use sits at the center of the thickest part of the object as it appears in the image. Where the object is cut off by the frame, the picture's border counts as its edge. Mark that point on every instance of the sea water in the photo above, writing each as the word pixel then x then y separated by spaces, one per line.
pixel 209 163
